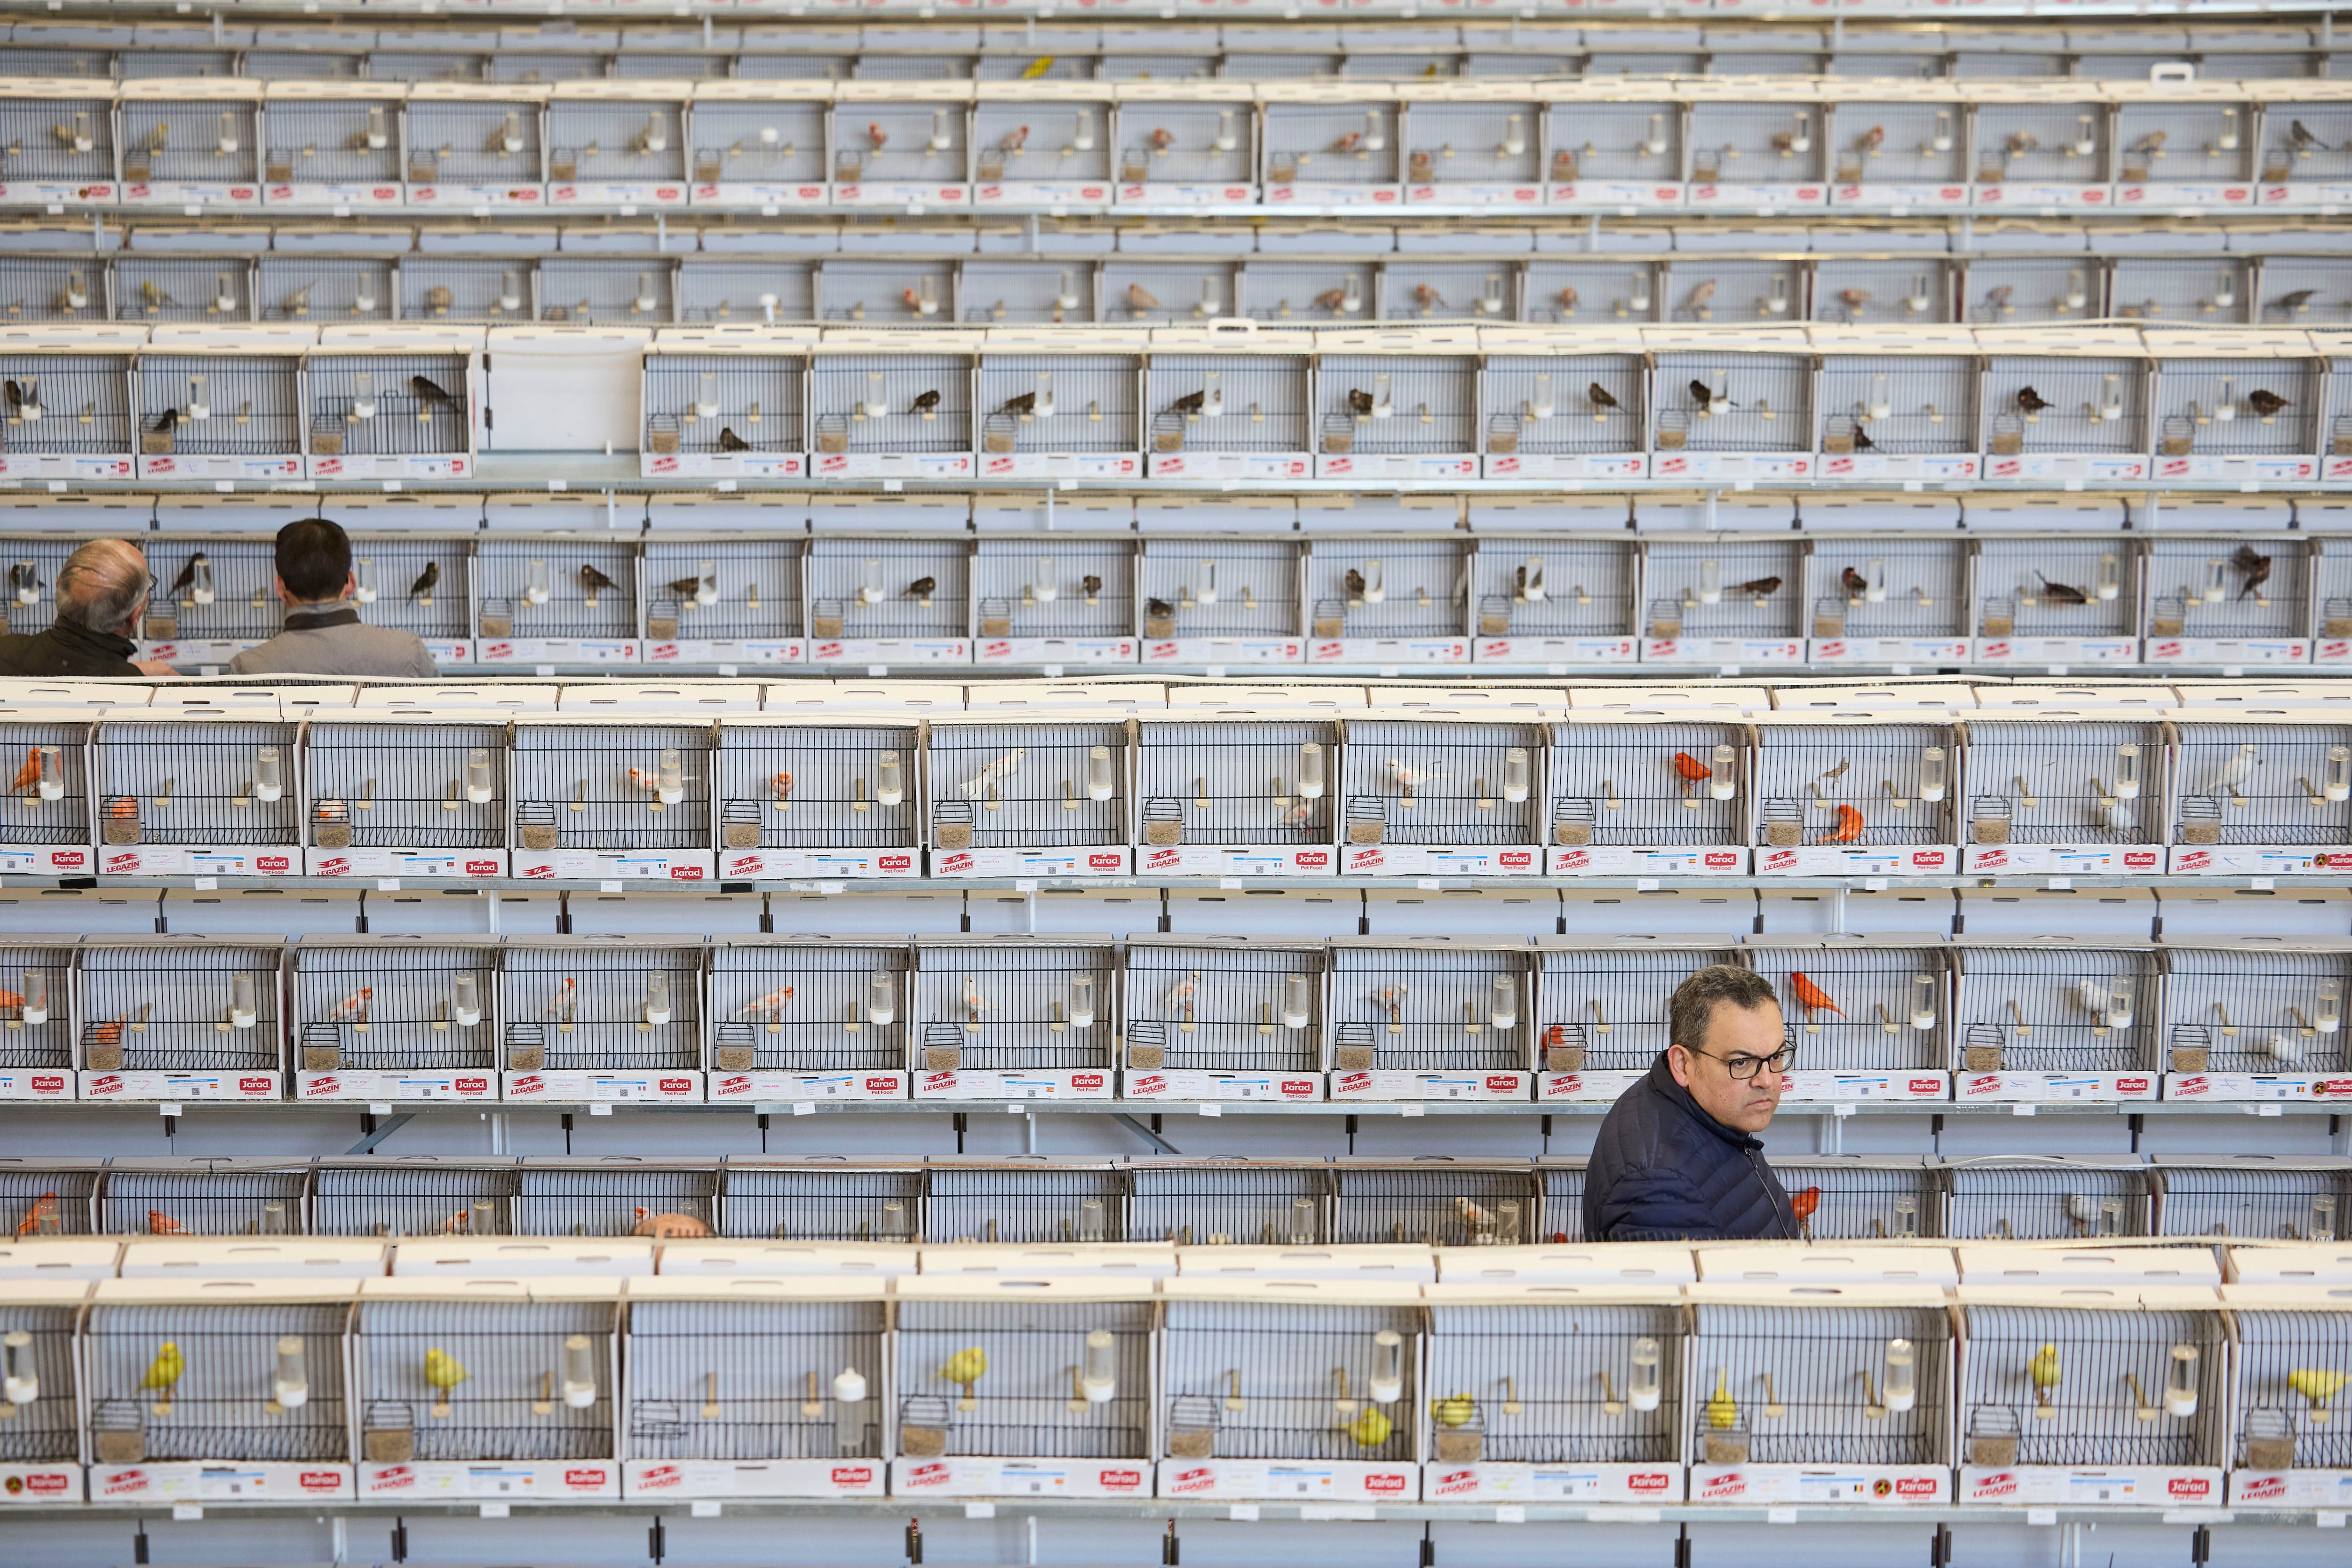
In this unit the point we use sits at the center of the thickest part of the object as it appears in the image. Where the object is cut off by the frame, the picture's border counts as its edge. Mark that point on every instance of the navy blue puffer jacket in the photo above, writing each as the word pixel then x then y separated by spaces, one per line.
pixel 1663 1170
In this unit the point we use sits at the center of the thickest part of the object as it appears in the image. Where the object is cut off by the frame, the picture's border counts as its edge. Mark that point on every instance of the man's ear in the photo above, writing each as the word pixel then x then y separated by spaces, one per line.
pixel 1678 1064
pixel 279 583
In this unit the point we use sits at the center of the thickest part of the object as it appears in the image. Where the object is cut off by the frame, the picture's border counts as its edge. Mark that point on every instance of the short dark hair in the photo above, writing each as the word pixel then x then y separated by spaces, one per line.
pixel 1697 998
pixel 314 559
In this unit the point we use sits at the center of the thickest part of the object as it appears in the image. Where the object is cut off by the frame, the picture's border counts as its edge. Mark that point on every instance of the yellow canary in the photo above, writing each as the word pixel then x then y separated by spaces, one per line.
pixel 166 1368
pixel 1371 1428
pixel 1038 68
pixel 442 1370
pixel 966 1366
pixel 2043 1367
pixel 2320 1387
pixel 1722 1411
pixel 1453 1412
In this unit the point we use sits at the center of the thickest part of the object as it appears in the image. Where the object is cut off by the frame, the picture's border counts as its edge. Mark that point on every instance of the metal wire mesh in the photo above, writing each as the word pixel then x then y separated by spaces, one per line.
pixel 176 288
pixel 211 143
pixel 1410 589
pixel 1609 1004
pixel 1014 1004
pixel 598 786
pixel 1434 1201
pixel 198 1382
pixel 1753 402
pixel 2083 1388
pixel 180 1008
pixel 407 1197
pixel 202 1198
pixel 752 143
pixel 1430 1008
pixel 1756 143
pixel 1860 1008
pixel 1227 403
pixel 1929 404
pixel 2288 1375
pixel 1554 1384
pixel 1426 782
pixel 407 785
pixel 882 141
pixel 589 292
pixel 1029 786
pixel 816 787
pixel 507 1360
pixel 604 141
pixel 28 814
pixel 1808 1385
pixel 1755 590
pixel 2258 1011
pixel 1214 1202
pixel 67 403
pixel 1399 404
pixel 747 290
pixel 1585 588
pixel 394 567
pixel 1170 143
pixel 2054 1010
pixel 322 288
pixel 1455 143
pixel 1055 588
pixel 2199 588
pixel 2226 406
pixel 2208 291
pixel 1633 784
pixel 919 587
pixel 1234 1008
pixel 824 1200
pixel 40 1200
pixel 1029 1203
pixel 60 138
pixel 2044 1199
pixel 1330 144
pixel 1855 1198
pixel 808 1008
pixel 1237 783
pixel 219 404
pixel 1029 1401
pixel 2035 782
pixel 1285 1381
pixel 444 289
pixel 2252 1200
pixel 2254 783
pixel 615 1196
pixel 45 1429
pixel 393 1007
pixel 752 1380
pixel 489 142
pixel 584 1007
pixel 725 403
pixel 1066 403
pixel 1834 784
pixel 388 405
pixel 2056 587
pixel 319 141
pixel 2078 404
pixel 1220 588
pixel 1538 406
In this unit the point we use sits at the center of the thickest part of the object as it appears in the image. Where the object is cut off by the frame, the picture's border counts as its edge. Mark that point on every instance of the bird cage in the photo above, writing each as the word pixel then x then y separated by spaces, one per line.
pixel 2252 1197
pixel 429 1036
pixel 1817 815
pixel 1054 1043
pixel 2287 1444
pixel 599 800
pixel 1195 611
pixel 1908 153
pixel 1430 1019
pixel 1435 289
pixel 1222 407
pixel 1292 1389
pixel 1601 1016
pixel 1898 407
pixel 1602 291
pixel 1898 601
pixel 2205 291
pixel 2257 1021
pixel 883 410
pixel 37 1049
pixel 1233 797
pixel 2066 1021
pixel 1286 293
pixel 1073 606
pixel 1861 1197
pixel 1722 412
pixel 1869 1017
pixel 212 1195
pixel 64 130
pixel 414 1195
pixel 1648 794
pixel 548 601
pixel 620 1195
pixel 195 1018
pixel 476 145
pixel 1187 144
pixel 191 144
pixel 2307 143
pixel 1612 148
pixel 995 812
pixel 391 416
pixel 2068 415
pixel 755 1386
pixel 2252 416
pixel 1216 1018
pixel 2073 793
pixel 1755 151
pixel 1723 600
pixel 1145 288
pixel 1473 146
pixel 902 144
pixel 1026 1199
pixel 1555 1392
pixel 823 1197
pixel 759 144
pixel 1441 793
pixel 2041 147
pixel 768 1043
pixel 918 291
pixel 34 560
pixel 1519 616
pixel 2015 290
pixel 725 412
pixel 45 823
pixel 2230 817
pixel 1883 291
pixel 1717 290
pixel 2057 601
pixel 890 601
pixel 2109 1394
pixel 207 796
pixel 210 292
pixel 40 1453
pixel 68 416
pixel 218 1389
pixel 780 813
pixel 1869 1367
pixel 2180 147
pixel 1226 1201
pixel 751 292
pixel 1038 293
pixel 1397 404
pixel 2233 602
pixel 726 602
pixel 59 290
pixel 589 292
pixel 437 605
pixel 1359 617
pixel 43 1199
pixel 1023 1388
pixel 487 1389
pixel 228 414
pixel 330 290
pixel 1540 426
pixel 1041 144
pixel 331 144
pixel 617 144
pixel 1057 415
pixel 1333 145
pixel 437 288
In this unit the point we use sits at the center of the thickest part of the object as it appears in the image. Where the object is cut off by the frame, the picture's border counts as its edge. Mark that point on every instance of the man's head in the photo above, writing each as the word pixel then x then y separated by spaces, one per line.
pixel 103 585
pixel 314 562
pixel 1725 1022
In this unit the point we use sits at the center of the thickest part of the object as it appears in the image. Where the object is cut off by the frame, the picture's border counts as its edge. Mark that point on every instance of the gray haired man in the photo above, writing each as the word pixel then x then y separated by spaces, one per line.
pixel 102 592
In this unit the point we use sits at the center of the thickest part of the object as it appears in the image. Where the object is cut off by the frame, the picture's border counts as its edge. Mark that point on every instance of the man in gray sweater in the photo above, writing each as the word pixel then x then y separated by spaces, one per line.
pixel 323 634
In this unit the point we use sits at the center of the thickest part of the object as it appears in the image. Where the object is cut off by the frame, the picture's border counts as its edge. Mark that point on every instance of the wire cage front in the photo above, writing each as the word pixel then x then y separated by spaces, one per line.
pixel 1520 1383
pixel 2077 1010
pixel 889 588
pixel 205 1197
pixel 1432 1008
pixel 2058 587
pixel 816 787
pixel 63 289
pixel 1625 784
pixel 750 1378
pixel 1433 1201
pixel 1028 786
pixel 331 141
pixel 611 787
pixel 2060 1385
pixel 1280 1380
pixel 808 1008
pixel 2044 1198
pixel 1887 783
pixel 182 1381
pixel 1413 588
pixel 711 405
pixel 214 291
pixel 43 1373
pixel 1220 782
pixel 598 140
pixel 186 1007
pixel 67 404
pixel 1858 1198
pixel 1237 1008
pixel 468 1381
pixel 2244 1009
pixel 1179 144
pixel 393 1006
pixel 1008 1378
pixel 474 142
pixel 48 800
pixel 448 288
pixel 406 785
pixel 906 403
pixel 2254 783
pixel 221 591
pixel 2253 1197
pixel 2208 291
pixel 875 142
pixel 65 138
pixel 1819 1385
pixel 1858 1006
pixel 1901 290
pixel 1337 143
pixel 191 140
pixel 1901 405
pixel 751 290
pixel 1585 404
pixel 413 1196
pixel 324 288
pixel 2239 407
pixel 1408 781
pixel 1026 1202
pixel 1726 402
pixel 1009 1004
pixel 1227 403
pixel 1604 1008
pixel 2071 403
pixel 1219 588
pixel 1424 405
pixel 586 291
pixel 1058 403
pixel 225 406
pixel 618 1195
pixel 1002 293
pixel 379 405
pixel 2289 1379
pixel 711 590
pixel 1055 588
pixel 2213 588
pixel 1230 1202
pixel 755 143
pixel 628 1007
pixel 1518 595
pixel 823 1198
pixel 48 1198
pixel 2076 781
pixel 1757 144
pixel 1724 587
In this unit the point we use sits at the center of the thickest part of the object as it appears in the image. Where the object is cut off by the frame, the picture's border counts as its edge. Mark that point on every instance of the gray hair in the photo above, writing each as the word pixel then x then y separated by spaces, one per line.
pixel 1696 999
pixel 101 583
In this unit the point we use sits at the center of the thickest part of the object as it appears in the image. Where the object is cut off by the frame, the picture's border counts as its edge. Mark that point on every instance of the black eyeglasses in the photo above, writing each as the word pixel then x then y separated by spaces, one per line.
pixel 1743 1068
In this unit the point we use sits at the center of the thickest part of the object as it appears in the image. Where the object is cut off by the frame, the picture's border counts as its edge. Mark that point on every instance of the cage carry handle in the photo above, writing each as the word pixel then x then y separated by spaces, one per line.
pixel 2170 71
pixel 1231 324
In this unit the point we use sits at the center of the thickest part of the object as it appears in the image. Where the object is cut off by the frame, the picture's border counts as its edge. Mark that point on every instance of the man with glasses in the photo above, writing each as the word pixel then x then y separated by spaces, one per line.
pixel 1677 1158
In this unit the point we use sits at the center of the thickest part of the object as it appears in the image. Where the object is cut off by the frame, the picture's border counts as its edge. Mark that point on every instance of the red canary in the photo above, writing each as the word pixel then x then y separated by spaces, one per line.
pixel 30 774
pixel 1815 999
pixel 1849 826
pixel 1556 1036
pixel 1690 767
pixel 43 1208
pixel 161 1224
pixel 1802 1205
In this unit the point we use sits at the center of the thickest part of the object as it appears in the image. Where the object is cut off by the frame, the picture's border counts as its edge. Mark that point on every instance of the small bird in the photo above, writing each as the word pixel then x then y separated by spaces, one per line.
pixel 168 1367
pixel 1347 143
pixel 23 577
pixel 1371 1428
pixel 1455 1412
pixel 1355 582
pixel 2265 402
pixel 1998 298
pixel 425 580
pixel 2063 593
pixel 2021 142
pixel 2097 995
pixel 187 574
pixel 1784 141
pixel 167 420
pixel 1805 1204
pixel 2254 567
pixel 2295 301
pixel 1013 141
pixel 1567 298
pixel 426 391
pixel 27 777
pixel 1359 402
pixel 1139 298
pixel 565 993
pixel 1862 441
pixel 1600 396
pixel 2032 401
pixel 1091 584
pixel 1704 395
pixel 1162 139
pixel 1691 770
pixel 354 1005
pixel 2236 771
pixel 1813 998
pixel 2150 143
pixel 158 1222
pixel 2043 1368
pixel 1025 403
pixel 1427 298
pixel 924 403
pixel 912 301
pixel 1413 778
pixel 1847 831
pixel 1158 607
pixel 593 581
pixel 1191 403
pixel 1853 299
pixel 1701 295
pixel 684 588
pixel 41 1212
pixel 775 1000
pixel 966 1367
pixel 2298 134
pixel 1853 582
pixel 920 588
pixel 1331 299
pixel 2315 1386
pixel 1758 587
pixel 1872 140
pixel 877 135
pixel 15 395
pixel 730 442
pixel 1475 1215
pixel 1722 1411
pixel 442 1370
pixel 670 1227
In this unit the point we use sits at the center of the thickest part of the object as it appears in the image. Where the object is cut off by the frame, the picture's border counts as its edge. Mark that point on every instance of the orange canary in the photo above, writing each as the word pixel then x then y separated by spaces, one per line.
pixel 1849 826
pixel 782 785
pixel 106 1034
pixel 161 1224
pixel 1815 999
pixel 1690 767
pixel 44 1207
pixel 1556 1037
pixel 459 1224
pixel 10 999
pixel 669 1226
pixel 1802 1205
pixel 122 809
pixel 30 774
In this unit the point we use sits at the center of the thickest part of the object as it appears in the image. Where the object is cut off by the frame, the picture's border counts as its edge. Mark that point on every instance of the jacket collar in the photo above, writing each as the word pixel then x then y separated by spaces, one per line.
pixel 310 620
pixel 1661 1082
pixel 89 639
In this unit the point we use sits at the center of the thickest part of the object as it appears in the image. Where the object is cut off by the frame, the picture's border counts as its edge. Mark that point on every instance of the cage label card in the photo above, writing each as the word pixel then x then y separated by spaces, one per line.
pixel 658 1478
pixel 2055 1087
pixel 44 192
pixel 1675 860
pixel 49 859
pixel 892 195
pixel 1484 198
pixel 2172 195
pixel 1225 650
pixel 1155 193
pixel 741 194
pixel 1841 860
pixel 2314 193
pixel 2227 650
pixel 2149 1485
pixel 452 197
pixel 1548 652
pixel 507 1479
pixel 60 1482
pixel 1061 464
pixel 37 1083
pixel 757 865
pixel 1732 465
pixel 617 194
pixel 1648 193
pixel 1442 860
pixel 959 1477
pixel 1721 651
pixel 44 466
pixel 1037 1083
pixel 1184 1084
pixel 436 865
pixel 367 1085
pixel 1890 650
pixel 449 465
pixel 1378 1084
pixel 1890 1484
pixel 1503 1483
pixel 1389 650
pixel 187 653
pixel 667 1085
pixel 447 655
pixel 190 194
pixel 1946 467
pixel 248 1481
pixel 1288 1480
pixel 1232 465
pixel 599 866
pixel 1589 1088
pixel 2247 1086
pixel 1103 860
pixel 558 650
pixel 382 196
pixel 175 1087
pixel 1333 193
pixel 2256 861
pixel 2090 467
pixel 1567 465
pixel 2058 651
pixel 2062 860
pixel 892 650
pixel 1093 194
pixel 1237 860
pixel 2285 1488
pixel 191 466
pixel 1396 466
pixel 817 1086
pixel 893 466
pixel 1055 650
pixel 2240 470
pixel 702 652
pixel 2025 196
pixel 1943 196
pixel 722 465
pixel 1718 197
pixel 1803 1088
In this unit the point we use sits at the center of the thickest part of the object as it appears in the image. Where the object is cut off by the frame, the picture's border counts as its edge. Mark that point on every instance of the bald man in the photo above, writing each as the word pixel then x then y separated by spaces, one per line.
pixel 102 592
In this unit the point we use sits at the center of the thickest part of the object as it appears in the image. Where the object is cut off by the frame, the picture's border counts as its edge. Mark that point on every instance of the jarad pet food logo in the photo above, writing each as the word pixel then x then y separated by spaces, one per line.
pixel 1120 1480
pixel 675 1086
pixel 583 1478
pixel 41 1483
pixel 686 873
pixel 481 867
pixel 322 1480
pixel 886 1084
pixel 49 1083
pixel 2188 1489
pixel 1085 1081
pixel 1720 860
pixel 1647 1483
pixel 2134 1085
pixel 67 859
pixel 1517 859
pixel 1502 1083
pixel 1299 1089
pixel 471 1085
pixel 1313 859
pixel 1106 860
pixel 255 1086
pixel 1925 1085
pixel 1389 1485
pixel 851 1476
pixel 1916 1488
pixel 273 865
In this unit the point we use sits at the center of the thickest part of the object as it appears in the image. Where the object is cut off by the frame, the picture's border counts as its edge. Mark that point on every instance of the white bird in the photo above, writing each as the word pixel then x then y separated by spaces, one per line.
pixel 1412 779
pixel 2115 816
pixel 1180 992
pixel 2234 772
pixel 997 771
pixel 1472 1215
pixel 973 1002
pixel 2095 995
pixel 2285 1048
pixel 1392 996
